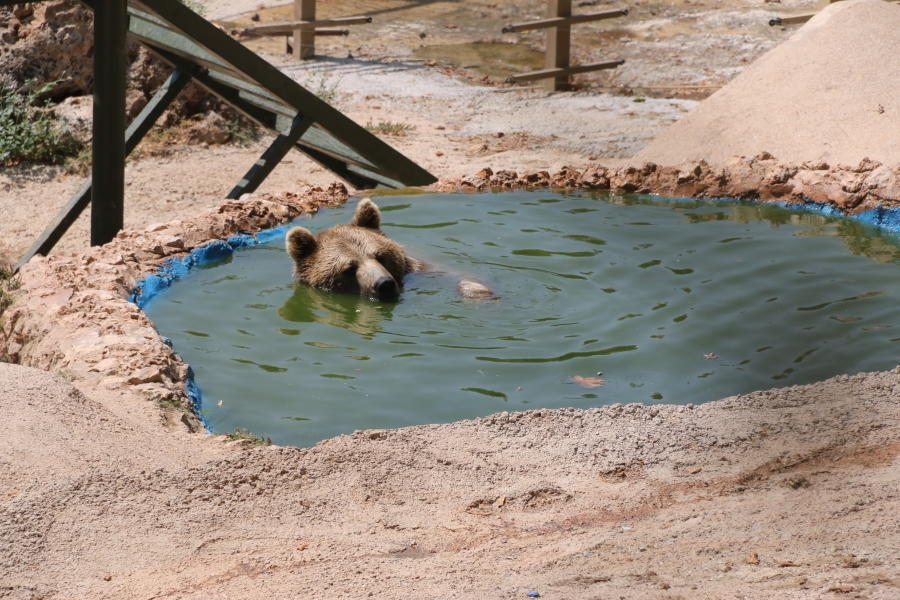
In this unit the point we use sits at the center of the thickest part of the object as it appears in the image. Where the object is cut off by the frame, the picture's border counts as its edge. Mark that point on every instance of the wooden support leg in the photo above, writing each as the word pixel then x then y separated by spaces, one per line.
pixel 270 158
pixel 558 41
pixel 305 39
pixel 108 146
pixel 77 203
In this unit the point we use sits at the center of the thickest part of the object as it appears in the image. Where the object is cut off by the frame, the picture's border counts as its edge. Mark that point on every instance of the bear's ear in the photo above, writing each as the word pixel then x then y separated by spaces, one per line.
pixel 300 243
pixel 367 215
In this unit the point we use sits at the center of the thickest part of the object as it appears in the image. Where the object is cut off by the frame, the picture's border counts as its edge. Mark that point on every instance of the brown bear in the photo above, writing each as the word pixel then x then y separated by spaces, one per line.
pixel 359 257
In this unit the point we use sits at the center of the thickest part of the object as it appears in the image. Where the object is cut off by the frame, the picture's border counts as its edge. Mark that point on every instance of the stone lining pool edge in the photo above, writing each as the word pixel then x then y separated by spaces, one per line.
pixel 172 269
pixel 75 314
pixel 104 278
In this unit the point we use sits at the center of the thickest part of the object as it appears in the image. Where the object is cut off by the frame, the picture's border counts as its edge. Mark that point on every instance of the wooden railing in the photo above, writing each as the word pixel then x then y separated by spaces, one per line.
pixel 558 25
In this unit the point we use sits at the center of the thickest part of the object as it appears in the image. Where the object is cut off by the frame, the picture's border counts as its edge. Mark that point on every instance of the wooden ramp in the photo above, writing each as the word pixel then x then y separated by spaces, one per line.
pixel 201 52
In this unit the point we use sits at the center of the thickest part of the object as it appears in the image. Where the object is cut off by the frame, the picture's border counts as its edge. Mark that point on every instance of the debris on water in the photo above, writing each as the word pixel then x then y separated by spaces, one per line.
pixel 599 373
pixel 711 355
pixel 587 382
pixel 518 389
pixel 220 403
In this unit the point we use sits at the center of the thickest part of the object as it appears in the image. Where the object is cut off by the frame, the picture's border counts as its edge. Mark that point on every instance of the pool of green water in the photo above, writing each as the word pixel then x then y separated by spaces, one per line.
pixel 489 58
pixel 673 301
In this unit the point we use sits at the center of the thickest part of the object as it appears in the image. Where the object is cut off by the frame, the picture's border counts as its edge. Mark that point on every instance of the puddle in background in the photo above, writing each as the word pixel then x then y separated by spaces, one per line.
pixel 638 289
pixel 488 58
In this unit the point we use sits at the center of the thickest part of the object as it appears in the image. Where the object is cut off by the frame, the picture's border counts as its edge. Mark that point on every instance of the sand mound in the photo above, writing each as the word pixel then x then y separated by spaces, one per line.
pixel 826 94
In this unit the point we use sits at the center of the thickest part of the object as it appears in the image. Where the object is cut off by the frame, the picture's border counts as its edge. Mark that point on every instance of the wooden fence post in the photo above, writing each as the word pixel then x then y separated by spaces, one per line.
pixel 305 39
pixel 558 44
pixel 558 24
pixel 108 144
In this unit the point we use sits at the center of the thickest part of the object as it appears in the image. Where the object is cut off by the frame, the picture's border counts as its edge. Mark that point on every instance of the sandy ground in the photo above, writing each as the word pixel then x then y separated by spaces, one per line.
pixel 789 493
pixel 820 96
pixel 785 494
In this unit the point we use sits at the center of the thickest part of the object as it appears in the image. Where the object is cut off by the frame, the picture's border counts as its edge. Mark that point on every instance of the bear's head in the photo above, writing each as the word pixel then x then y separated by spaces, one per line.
pixel 357 257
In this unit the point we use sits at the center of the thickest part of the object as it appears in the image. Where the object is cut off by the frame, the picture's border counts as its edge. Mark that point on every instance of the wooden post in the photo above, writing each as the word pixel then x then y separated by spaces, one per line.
pixel 108 145
pixel 305 39
pixel 558 41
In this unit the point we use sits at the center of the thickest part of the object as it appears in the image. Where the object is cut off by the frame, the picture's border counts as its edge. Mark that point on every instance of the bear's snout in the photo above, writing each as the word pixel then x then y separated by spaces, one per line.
pixel 375 282
pixel 386 288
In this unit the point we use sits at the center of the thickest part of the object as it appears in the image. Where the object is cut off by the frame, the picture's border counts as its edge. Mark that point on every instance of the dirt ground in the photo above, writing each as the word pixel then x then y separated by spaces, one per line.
pixel 790 493
pixel 105 493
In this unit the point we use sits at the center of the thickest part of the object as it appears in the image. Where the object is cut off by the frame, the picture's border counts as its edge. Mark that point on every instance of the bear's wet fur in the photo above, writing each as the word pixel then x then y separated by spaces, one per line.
pixel 354 257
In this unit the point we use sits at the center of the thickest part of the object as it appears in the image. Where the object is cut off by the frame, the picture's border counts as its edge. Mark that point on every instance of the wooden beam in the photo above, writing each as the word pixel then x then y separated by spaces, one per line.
pixel 304 39
pixel 564 21
pixel 270 158
pixel 558 42
pixel 108 143
pixel 70 212
pixel 336 124
pixel 564 73
pixel 793 20
pixel 291 26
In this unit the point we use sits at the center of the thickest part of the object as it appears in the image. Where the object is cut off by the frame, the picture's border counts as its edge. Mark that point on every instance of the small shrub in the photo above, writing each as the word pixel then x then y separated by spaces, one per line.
pixel 8 284
pixel 28 133
pixel 389 128
pixel 251 438
pixel 196 5
pixel 323 88
pixel 242 132
pixel 172 405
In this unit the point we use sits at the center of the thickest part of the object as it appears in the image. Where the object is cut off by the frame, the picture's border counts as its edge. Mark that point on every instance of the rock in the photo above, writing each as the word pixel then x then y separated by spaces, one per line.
pixel 212 129
pixel 146 375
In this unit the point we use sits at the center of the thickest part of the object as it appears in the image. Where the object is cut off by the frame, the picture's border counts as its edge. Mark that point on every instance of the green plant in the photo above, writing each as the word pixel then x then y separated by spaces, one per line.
pixel 28 132
pixel 242 132
pixel 196 5
pixel 323 88
pixel 389 128
pixel 172 405
pixel 8 284
pixel 80 164
pixel 66 374
pixel 251 438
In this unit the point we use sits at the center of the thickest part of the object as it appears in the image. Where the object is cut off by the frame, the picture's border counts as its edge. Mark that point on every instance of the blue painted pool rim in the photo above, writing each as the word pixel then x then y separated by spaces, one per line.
pixel 886 219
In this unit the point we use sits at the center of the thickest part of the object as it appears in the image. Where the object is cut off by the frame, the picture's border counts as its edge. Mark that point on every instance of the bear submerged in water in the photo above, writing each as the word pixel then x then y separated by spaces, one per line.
pixel 359 258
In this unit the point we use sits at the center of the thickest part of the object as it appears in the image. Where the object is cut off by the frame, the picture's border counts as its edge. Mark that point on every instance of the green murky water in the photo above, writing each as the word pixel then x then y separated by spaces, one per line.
pixel 673 301
pixel 489 58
